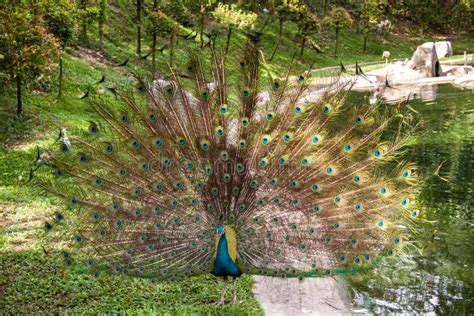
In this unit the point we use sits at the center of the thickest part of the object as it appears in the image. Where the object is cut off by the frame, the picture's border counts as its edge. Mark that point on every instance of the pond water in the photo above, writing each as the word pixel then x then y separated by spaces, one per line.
pixel 441 279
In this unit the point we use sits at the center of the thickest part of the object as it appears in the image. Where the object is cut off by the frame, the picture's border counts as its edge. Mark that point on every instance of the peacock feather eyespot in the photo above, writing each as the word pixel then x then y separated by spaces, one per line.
pixel 59 216
pixel 405 202
pixel 253 184
pixel 90 262
pixel 242 207
pixel 124 118
pixel 96 216
pixel 173 202
pixel 377 153
pixel 356 179
pixel 337 200
pixel 158 142
pixel 276 200
pixel 209 170
pixel 215 191
pixel 328 239
pixel 390 252
pixel 122 171
pixel 245 122
pixel 224 155
pixel 219 131
pixel 270 116
pixel 277 252
pixel 137 191
pixel 311 230
pixel 168 162
pixel 135 144
pixel 316 139
pixel 287 237
pixel 304 162
pixel 383 191
pixel 223 108
pixel 301 78
pixel 181 141
pixel 98 181
pixel 78 239
pixel 358 207
pixel 74 201
pixel 199 185
pixel 82 158
pixel 138 212
pixel 348 148
pixel 296 202
pixel 342 258
pixel 59 173
pixel 93 128
pixel 326 109
pixel 276 219
pixel 226 178
pixel 298 109
pixel 239 167
pixel 302 247
pixel 235 190
pixel 353 242
pixel 145 166
pixel 242 144
pixel 337 225
pixel 329 170
pixel 158 225
pixel 367 258
pixel 294 184
pixel 245 93
pixel 64 148
pixel 178 185
pixel 189 165
pixel 205 94
pixel 169 90
pixel 263 162
pixel 119 223
pixel 293 226
pixel 358 119
pixel 397 240
pixel 116 206
pixel 265 140
pixel 276 85
pixel 273 181
pixel 177 220
pixel 210 207
pixel 357 260
pixel 286 138
pixel 315 187
pixel 152 117
pixel 415 213
pixel 281 161
pixel 142 238
pixel 48 226
pixel 381 224
pixel 260 202
pixel 109 148
pixel 316 208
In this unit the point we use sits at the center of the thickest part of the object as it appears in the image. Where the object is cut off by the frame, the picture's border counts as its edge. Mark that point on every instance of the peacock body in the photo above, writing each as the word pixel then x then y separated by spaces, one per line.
pixel 201 171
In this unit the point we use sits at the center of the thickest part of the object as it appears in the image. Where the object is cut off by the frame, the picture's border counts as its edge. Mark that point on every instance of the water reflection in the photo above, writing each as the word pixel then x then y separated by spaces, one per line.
pixel 441 280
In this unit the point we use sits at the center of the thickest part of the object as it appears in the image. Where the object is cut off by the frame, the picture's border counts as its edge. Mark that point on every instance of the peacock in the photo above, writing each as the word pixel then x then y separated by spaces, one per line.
pixel 219 166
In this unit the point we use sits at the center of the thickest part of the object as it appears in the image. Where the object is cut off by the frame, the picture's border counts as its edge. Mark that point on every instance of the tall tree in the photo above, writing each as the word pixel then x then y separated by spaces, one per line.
pixel 83 6
pixel 60 19
pixel 370 15
pixel 233 18
pixel 337 19
pixel 159 24
pixel 28 49
pixel 101 19
pixel 139 26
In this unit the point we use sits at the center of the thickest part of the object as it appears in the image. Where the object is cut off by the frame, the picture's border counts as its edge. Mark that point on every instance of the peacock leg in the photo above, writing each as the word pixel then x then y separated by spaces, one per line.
pixel 224 290
pixel 234 298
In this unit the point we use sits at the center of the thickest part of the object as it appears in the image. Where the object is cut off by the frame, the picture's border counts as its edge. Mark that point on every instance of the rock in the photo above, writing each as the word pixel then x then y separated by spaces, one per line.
pixel 443 49
pixel 466 81
pixel 425 60
pixel 460 71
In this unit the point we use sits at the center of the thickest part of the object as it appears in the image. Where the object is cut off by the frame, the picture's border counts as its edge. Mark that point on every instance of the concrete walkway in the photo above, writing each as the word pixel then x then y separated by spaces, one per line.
pixel 312 296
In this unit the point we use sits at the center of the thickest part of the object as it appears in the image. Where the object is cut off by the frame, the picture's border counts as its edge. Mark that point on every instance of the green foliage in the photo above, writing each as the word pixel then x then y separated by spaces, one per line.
pixel 28 49
pixel 159 23
pixel 370 15
pixel 60 19
pixel 338 19
pixel 232 17
pixel 290 9
pixel 177 10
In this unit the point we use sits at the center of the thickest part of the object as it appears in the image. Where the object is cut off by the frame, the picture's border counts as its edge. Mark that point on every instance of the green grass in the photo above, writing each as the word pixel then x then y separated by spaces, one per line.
pixel 32 282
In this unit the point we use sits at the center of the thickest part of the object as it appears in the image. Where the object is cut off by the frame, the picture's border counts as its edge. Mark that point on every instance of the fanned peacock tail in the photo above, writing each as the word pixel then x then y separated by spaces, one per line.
pixel 311 185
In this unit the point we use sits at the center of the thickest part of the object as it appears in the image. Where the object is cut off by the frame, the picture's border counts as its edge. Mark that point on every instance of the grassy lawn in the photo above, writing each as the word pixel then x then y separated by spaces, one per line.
pixel 32 280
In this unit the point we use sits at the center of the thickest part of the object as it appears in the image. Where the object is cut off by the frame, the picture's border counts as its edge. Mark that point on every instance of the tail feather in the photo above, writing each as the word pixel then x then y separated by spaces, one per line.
pixel 312 184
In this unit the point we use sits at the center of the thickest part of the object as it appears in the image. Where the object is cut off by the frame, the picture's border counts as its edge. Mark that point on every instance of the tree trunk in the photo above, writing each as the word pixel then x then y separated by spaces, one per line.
pixel 101 35
pixel 365 44
pixel 280 33
pixel 19 102
pixel 201 30
pixel 229 34
pixel 139 27
pixel 60 92
pixel 171 44
pixel 84 36
pixel 337 38
pixel 303 41
pixel 153 54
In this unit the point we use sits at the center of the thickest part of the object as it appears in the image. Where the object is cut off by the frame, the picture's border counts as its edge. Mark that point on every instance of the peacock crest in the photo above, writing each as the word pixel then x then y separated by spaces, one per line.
pixel 304 182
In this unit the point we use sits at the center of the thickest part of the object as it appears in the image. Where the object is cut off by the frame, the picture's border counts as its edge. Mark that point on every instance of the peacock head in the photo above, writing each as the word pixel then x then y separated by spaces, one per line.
pixel 220 230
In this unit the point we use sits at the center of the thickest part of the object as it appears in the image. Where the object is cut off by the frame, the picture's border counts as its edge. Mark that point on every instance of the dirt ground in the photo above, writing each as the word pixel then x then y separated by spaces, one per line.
pixel 315 296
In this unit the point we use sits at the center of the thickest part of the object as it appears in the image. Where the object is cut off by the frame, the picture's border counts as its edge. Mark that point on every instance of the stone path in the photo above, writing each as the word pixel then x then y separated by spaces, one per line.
pixel 313 296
